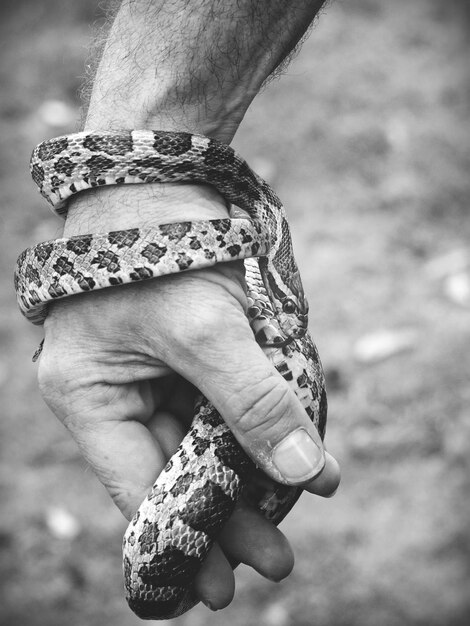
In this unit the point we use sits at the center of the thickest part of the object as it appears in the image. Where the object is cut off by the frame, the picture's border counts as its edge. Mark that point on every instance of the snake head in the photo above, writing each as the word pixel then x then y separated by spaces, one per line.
pixel 290 303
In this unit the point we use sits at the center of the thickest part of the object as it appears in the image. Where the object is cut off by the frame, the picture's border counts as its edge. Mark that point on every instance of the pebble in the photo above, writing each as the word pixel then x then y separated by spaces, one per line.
pixel 457 288
pixel 57 114
pixel 62 524
pixel 449 263
pixel 276 615
pixel 383 344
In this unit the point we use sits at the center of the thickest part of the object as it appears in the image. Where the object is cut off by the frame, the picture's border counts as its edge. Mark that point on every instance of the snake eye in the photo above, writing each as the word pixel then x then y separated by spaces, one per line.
pixel 288 306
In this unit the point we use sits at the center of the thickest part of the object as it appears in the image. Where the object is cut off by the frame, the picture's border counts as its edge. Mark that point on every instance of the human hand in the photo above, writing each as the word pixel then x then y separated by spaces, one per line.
pixel 120 366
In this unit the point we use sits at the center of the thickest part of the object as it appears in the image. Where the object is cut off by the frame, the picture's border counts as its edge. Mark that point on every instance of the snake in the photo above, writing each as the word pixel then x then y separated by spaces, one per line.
pixel 176 525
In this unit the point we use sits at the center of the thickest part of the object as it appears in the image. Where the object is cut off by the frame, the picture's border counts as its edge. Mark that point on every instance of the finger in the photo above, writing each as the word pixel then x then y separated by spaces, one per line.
pixel 249 538
pixel 168 431
pixel 125 457
pixel 106 422
pixel 215 582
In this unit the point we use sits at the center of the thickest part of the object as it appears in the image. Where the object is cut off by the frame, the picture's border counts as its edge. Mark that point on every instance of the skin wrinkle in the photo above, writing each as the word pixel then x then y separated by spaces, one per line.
pixel 266 405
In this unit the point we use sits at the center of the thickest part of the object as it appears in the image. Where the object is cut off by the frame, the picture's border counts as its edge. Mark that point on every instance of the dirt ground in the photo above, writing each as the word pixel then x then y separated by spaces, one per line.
pixel 366 140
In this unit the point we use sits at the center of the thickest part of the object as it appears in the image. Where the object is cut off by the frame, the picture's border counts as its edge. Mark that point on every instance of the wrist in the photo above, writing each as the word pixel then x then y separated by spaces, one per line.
pixel 218 116
pixel 129 206
pixel 221 122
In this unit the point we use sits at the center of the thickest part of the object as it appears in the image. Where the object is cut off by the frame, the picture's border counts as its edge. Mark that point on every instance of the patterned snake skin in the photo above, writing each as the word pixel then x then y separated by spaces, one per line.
pixel 174 528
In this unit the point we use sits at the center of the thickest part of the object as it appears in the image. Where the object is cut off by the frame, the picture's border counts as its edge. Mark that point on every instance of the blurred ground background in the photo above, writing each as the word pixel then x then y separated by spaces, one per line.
pixel 366 141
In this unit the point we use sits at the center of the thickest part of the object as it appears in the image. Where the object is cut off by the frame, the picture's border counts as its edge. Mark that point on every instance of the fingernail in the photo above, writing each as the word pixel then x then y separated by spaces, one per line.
pixel 297 457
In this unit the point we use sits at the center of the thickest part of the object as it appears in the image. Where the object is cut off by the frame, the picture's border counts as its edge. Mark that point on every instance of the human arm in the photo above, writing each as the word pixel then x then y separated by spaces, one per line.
pixel 109 356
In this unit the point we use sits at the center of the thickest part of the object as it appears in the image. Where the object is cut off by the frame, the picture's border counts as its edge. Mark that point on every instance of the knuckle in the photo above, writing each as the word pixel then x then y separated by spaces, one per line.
pixel 205 328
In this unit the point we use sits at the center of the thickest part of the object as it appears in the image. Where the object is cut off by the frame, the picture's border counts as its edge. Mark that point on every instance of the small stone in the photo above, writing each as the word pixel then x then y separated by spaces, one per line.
pixel 383 344
pixel 452 262
pixel 62 524
pixel 398 133
pixel 276 615
pixel 57 114
pixel 457 288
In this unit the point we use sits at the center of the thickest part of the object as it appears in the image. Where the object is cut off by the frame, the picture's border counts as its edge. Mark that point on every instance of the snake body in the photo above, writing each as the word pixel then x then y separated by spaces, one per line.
pixel 174 528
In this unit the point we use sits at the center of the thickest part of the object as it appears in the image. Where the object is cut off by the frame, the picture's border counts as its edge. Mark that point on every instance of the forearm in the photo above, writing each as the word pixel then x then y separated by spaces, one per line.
pixel 196 66
pixel 179 65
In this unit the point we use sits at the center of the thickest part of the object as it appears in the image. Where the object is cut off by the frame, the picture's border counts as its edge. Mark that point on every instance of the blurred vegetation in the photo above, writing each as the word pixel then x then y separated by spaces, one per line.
pixel 366 140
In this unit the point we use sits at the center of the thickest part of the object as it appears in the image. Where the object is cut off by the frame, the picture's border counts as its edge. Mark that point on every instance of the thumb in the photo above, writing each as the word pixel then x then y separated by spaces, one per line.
pixel 257 403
